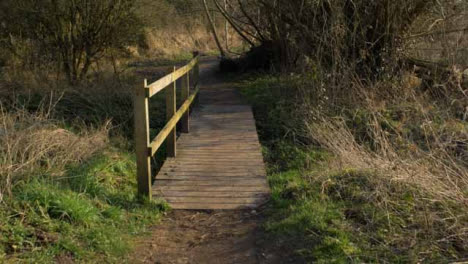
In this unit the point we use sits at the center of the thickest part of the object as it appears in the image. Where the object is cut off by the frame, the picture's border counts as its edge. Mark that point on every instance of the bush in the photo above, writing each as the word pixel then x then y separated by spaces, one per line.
pixel 363 177
pixel 74 34
pixel 364 35
pixel 34 144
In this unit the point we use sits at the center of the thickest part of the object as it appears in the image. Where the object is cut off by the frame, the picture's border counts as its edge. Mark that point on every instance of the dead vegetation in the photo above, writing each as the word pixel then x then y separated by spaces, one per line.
pixel 434 179
pixel 34 144
pixel 390 109
pixel 395 180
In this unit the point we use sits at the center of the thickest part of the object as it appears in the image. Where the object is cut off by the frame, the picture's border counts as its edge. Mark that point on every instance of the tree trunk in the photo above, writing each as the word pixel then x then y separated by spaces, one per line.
pixel 226 30
pixel 213 29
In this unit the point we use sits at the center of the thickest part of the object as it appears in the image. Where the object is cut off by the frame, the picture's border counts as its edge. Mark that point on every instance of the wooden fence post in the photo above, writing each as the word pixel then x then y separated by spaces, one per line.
pixel 142 141
pixel 170 112
pixel 185 120
pixel 196 70
pixel 196 74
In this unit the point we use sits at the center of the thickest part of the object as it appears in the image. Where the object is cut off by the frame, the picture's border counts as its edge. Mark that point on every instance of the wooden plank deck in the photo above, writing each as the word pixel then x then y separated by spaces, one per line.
pixel 219 164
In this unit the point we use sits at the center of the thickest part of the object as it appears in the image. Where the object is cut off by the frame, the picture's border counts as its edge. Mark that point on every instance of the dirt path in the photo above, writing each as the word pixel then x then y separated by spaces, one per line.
pixel 207 236
pixel 204 237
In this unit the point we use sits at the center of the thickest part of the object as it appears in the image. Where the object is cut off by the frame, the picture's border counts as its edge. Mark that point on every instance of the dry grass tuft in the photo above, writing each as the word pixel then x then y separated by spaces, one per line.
pixel 33 143
pixel 436 172
pixel 435 175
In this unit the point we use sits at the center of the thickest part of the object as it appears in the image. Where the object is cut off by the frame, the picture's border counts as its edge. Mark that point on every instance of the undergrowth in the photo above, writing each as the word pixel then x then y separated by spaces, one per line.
pixel 91 213
pixel 68 169
pixel 333 200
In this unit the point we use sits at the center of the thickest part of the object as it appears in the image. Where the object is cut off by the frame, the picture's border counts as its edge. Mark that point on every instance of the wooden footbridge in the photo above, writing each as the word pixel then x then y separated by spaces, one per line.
pixel 216 162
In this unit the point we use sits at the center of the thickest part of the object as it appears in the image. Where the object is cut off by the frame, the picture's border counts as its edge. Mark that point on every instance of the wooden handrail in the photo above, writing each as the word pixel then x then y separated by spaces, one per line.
pixel 163 82
pixel 143 148
pixel 159 139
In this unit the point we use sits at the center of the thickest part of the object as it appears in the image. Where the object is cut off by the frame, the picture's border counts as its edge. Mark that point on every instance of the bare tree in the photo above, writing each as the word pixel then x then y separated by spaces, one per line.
pixel 76 33
pixel 241 31
pixel 213 29
pixel 326 30
pixel 226 30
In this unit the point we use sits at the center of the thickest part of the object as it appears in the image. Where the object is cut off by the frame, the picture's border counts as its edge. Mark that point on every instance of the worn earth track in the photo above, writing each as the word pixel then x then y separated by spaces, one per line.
pixel 209 236
pixel 203 237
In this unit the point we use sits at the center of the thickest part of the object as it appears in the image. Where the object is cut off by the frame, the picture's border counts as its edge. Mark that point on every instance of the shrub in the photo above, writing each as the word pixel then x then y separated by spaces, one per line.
pixel 34 144
pixel 391 185
pixel 74 34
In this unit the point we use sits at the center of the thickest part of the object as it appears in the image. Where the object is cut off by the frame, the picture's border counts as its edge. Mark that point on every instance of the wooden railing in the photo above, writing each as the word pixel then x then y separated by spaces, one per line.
pixel 145 149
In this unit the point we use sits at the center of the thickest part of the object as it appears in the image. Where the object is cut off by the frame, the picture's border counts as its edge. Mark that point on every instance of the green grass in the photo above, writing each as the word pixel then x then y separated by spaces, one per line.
pixel 90 214
pixel 334 219
pixel 339 215
pixel 300 217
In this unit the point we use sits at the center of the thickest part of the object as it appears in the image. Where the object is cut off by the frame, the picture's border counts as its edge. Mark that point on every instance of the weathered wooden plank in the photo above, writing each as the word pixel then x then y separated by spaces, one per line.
pixel 212 194
pixel 214 169
pixel 216 163
pixel 165 81
pixel 156 143
pixel 260 189
pixel 210 169
pixel 185 91
pixel 213 172
pixel 170 112
pixel 247 145
pixel 220 147
pixel 239 182
pixel 221 140
pixel 213 138
pixel 184 153
pixel 227 152
pixel 213 206
pixel 218 200
pixel 218 156
pixel 197 134
pixel 219 162
pixel 217 140
pixel 159 85
pixel 142 141
pixel 227 161
pixel 211 176
pixel 201 177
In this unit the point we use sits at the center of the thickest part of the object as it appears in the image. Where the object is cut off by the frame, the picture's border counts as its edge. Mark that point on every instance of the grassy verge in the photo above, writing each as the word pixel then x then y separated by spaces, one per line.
pixel 89 214
pixel 67 170
pixel 328 208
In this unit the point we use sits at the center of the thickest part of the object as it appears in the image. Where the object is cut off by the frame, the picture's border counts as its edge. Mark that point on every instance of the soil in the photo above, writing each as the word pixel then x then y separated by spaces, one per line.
pixel 206 237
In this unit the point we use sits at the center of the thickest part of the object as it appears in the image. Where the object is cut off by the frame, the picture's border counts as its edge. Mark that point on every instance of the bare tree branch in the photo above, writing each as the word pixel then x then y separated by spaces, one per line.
pixel 213 29
pixel 234 25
